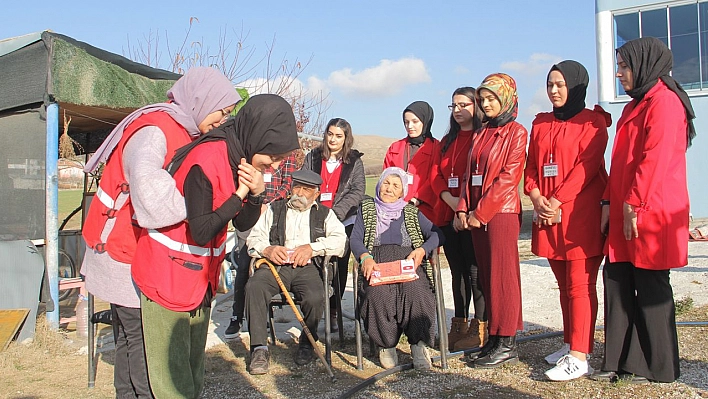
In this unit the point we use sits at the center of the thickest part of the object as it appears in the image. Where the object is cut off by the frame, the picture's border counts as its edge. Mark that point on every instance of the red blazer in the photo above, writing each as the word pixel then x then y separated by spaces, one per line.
pixel 420 167
pixel 648 171
pixel 501 177
pixel 452 163
pixel 578 147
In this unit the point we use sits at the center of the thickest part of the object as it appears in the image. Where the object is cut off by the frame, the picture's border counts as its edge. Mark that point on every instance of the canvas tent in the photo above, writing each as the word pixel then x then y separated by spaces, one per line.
pixel 46 77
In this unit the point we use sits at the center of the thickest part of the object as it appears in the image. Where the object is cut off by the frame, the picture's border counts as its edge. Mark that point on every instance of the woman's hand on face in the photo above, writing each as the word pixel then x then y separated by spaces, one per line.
pixel 472 221
pixel 605 219
pixel 251 177
pixel 630 222
pixel 417 255
pixel 368 267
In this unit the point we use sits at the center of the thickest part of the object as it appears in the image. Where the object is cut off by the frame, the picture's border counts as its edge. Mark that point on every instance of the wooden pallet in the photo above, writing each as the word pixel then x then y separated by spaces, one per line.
pixel 10 322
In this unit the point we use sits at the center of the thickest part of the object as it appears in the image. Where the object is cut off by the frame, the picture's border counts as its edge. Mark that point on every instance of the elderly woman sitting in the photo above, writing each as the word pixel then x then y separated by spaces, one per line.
pixel 388 230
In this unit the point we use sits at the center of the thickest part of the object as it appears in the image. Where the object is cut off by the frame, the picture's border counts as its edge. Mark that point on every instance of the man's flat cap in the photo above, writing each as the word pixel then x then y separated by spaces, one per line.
pixel 306 177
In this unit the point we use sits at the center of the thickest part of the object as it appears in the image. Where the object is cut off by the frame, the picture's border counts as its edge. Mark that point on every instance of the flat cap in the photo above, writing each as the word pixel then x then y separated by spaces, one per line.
pixel 306 177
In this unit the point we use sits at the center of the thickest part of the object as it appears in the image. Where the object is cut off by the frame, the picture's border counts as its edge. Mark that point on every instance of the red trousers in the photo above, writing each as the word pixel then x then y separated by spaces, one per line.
pixel 577 281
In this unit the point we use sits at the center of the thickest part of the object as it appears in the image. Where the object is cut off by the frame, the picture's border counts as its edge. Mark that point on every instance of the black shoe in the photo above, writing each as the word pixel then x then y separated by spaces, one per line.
pixel 632 379
pixel 488 346
pixel 504 352
pixel 234 329
pixel 603 376
pixel 260 359
pixel 104 316
pixel 304 355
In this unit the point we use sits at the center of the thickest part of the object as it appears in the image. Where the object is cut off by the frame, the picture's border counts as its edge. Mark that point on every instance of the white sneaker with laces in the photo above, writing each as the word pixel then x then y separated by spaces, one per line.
pixel 554 357
pixel 569 368
pixel 388 358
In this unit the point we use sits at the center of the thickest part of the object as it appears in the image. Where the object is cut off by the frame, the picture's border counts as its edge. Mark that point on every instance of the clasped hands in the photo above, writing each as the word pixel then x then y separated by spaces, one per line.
pixel 249 179
pixel 464 221
pixel 300 256
pixel 370 265
pixel 546 209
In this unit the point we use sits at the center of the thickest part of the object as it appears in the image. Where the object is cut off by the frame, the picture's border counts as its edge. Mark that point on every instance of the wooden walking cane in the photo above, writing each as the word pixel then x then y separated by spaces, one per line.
pixel 261 261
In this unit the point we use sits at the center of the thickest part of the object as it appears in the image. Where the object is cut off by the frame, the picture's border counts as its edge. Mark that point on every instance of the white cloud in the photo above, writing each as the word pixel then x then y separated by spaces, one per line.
pixel 537 63
pixel 384 80
pixel 460 70
pixel 539 103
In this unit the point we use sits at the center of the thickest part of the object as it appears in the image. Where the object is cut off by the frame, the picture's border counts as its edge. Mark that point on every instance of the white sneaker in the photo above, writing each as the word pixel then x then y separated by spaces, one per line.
pixel 554 357
pixel 388 358
pixel 421 357
pixel 569 368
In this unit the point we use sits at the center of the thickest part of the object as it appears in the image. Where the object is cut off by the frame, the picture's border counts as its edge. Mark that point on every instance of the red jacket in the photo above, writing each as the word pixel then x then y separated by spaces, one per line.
pixel 578 147
pixel 501 177
pixel 171 269
pixel 453 163
pixel 122 240
pixel 420 167
pixel 648 171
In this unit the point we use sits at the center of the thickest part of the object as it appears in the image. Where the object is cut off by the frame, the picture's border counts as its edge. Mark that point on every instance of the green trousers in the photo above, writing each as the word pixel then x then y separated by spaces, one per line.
pixel 174 348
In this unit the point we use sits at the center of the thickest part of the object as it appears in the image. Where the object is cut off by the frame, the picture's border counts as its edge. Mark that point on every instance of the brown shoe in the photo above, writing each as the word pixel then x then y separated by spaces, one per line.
pixel 471 340
pixel 458 330
pixel 483 334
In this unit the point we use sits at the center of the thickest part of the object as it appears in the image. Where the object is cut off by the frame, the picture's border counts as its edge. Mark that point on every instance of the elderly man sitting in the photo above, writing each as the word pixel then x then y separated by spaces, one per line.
pixel 296 233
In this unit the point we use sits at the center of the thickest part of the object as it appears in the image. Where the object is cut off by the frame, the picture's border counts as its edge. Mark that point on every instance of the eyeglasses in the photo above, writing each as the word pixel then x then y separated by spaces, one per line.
pixel 461 106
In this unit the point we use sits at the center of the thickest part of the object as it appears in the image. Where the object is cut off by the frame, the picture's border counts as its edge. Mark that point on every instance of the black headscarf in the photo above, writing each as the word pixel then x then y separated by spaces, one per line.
pixel 576 80
pixel 265 125
pixel 650 60
pixel 424 112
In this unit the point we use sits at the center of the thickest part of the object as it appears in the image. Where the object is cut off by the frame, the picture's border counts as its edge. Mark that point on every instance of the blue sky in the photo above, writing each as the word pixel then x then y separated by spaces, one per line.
pixel 373 58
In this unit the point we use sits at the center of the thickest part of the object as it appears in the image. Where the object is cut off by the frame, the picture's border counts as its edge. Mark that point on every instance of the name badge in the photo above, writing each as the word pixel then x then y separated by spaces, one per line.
pixel 476 180
pixel 550 170
pixel 410 178
pixel 453 182
pixel 267 177
pixel 325 196
pixel 407 266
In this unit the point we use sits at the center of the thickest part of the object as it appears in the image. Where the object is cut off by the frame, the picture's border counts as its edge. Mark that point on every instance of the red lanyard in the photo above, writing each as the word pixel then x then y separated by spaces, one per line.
pixel 487 140
pixel 454 158
pixel 553 139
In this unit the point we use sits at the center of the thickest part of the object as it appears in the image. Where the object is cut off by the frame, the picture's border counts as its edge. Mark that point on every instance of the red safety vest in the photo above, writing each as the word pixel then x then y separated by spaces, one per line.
pixel 170 268
pixel 120 243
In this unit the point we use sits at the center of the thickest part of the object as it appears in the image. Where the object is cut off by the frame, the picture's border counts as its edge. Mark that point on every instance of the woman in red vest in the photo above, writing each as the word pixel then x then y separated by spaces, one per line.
pixel 565 179
pixel 135 190
pixel 343 185
pixel 415 154
pixel 647 208
pixel 448 170
pixel 177 267
pixel 490 206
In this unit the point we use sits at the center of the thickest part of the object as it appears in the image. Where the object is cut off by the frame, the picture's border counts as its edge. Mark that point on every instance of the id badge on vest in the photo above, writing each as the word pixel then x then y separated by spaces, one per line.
pixel 453 182
pixel 267 178
pixel 550 170
pixel 476 180
pixel 409 178
pixel 325 196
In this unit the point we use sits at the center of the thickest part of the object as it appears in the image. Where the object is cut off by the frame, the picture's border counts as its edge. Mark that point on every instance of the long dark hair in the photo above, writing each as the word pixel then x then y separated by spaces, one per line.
pixel 348 139
pixel 455 128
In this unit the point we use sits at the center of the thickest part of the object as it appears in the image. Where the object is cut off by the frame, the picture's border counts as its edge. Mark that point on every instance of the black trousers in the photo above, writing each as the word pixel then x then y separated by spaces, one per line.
pixel 130 376
pixel 304 282
pixel 243 262
pixel 459 252
pixel 342 272
pixel 640 322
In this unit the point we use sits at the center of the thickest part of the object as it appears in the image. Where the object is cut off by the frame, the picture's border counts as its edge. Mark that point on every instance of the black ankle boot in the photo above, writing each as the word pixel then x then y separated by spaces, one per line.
pixel 488 346
pixel 504 352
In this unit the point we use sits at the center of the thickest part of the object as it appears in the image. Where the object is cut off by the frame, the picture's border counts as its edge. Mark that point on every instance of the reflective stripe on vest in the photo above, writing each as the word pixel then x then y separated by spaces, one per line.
pixel 184 248
pixel 105 198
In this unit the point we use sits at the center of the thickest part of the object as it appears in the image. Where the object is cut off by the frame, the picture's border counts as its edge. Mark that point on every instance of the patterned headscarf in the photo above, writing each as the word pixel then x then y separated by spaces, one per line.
pixel 504 87
pixel 386 212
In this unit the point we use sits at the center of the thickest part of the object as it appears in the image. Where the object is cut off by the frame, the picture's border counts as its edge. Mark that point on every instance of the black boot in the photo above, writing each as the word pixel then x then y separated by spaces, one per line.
pixel 504 352
pixel 488 346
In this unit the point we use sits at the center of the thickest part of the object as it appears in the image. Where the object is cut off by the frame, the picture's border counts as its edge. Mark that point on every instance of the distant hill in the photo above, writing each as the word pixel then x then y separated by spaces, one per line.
pixel 374 149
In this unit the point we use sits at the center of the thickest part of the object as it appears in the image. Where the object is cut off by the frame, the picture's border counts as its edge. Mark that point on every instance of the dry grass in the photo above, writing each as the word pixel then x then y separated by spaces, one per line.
pixel 53 367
